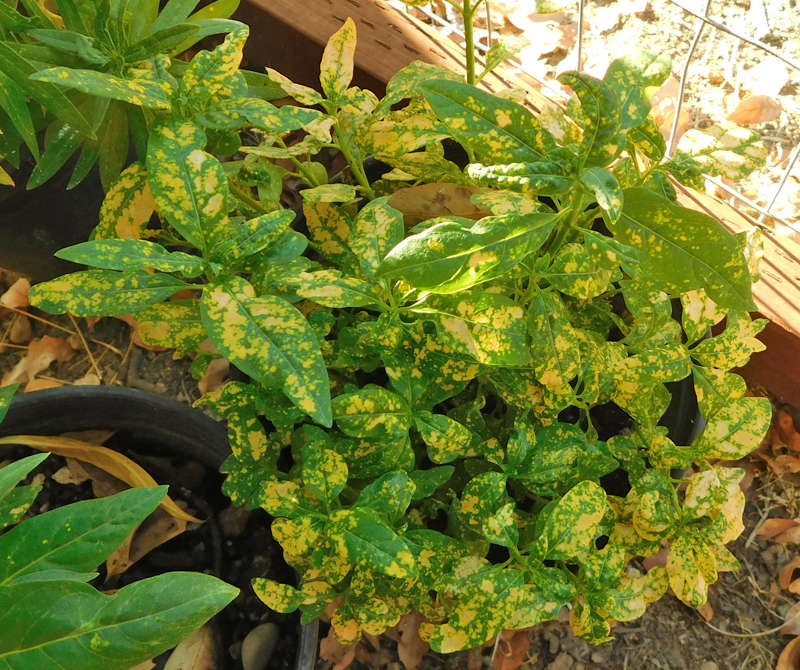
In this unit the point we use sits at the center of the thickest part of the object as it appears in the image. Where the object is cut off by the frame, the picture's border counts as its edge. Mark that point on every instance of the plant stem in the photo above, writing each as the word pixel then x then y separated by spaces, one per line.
pixel 467 11
pixel 356 166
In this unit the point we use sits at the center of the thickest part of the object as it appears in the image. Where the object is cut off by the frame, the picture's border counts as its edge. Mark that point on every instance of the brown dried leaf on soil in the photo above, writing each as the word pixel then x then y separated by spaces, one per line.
pixel 42 351
pixel 195 652
pixel 427 201
pixel 784 531
pixel 792 619
pixel 41 385
pixel 755 109
pixel 112 462
pixel 411 648
pixel 16 296
pixel 512 651
pixel 336 655
pixel 72 473
pixel 154 531
pixel 215 375
pixel 663 104
pixel 790 656
pixel 20 331
pixel 787 579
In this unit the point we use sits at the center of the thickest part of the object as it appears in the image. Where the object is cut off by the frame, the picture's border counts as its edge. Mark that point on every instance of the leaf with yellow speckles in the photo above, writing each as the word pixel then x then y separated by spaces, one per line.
pixel 324 471
pixel 369 540
pixel 572 524
pixel 213 75
pixel 389 495
pixel 376 230
pixel 733 347
pixel 245 238
pixel 132 255
pixel 298 536
pixel 399 134
pixel 736 429
pixel 507 202
pixel 554 344
pixel 103 292
pixel 303 94
pixel 699 313
pixel 691 569
pixel 336 68
pixel 494 129
pixel 175 325
pixel 716 494
pixel 268 339
pixel 277 596
pixel 427 482
pixel 330 228
pixel 446 439
pixel 406 82
pixel 647 138
pixel 329 288
pixel 127 207
pixel 725 149
pixel 481 498
pixel 141 92
pixel 5 178
pixel 486 326
pixel 600 117
pixel 576 272
pixel 715 389
pixel 606 190
pixel 233 113
pixel 675 260
pixel 372 412
pixel 587 624
pixel 532 178
pixel 628 76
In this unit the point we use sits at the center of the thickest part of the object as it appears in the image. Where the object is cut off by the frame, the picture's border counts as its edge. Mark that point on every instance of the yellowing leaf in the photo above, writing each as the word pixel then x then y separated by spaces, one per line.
pixel 127 207
pixel 336 68
pixel 736 429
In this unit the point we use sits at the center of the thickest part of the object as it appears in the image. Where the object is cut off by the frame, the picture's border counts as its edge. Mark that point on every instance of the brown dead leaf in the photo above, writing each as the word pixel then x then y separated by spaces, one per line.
pixel 512 651
pixel 110 461
pixel 196 652
pixel 215 375
pixel 426 201
pixel 790 656
pixel 89 379
pixel 787 579
pixel 706 611
pixel 755 109
pixel 335 653
pixel 792 619
pixel 20 331
pixel 42 351
pixel 475 659
pixel 16 296
pixel 784 531
pixel 659 558
pixel 41 385
pixel 154 531
pixel 144 665
pixel 72 473
pixel 663 105
pixel 411 648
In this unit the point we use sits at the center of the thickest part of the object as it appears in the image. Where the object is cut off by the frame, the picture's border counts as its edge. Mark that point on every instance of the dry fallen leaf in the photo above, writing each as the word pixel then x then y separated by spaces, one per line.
pixel 512 651
pixel 790 656
pixel 20 331
pixel 792 619
pixel 411 648
pixel 41 385
pixel 42 351
pixel 72 473
pixel 706 611
pixel 89 379
pixel 663 104
pixel 196 652
pixel 110 461
pixel 787 578
pixel 427 201
pixel 335 653
pixel 158 528
pixel 784 531
pixel 215 375
pixel 16 296
pixel 755 109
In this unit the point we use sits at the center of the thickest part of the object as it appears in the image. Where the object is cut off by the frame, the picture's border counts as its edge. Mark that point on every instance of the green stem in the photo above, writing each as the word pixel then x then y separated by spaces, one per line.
pixel 356 166
pixel 563 230
pixel 467 12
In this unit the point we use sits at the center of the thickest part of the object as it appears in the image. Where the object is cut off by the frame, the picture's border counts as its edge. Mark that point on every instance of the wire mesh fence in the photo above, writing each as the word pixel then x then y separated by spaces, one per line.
pixel 698 25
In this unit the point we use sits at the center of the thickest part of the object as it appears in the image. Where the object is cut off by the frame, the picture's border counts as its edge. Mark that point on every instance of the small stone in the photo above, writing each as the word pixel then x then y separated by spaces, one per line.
pixel 20 332
pixel 553 643
pixel 562 662
pixel 258 646
pixel 709 665
pixel 601 656
pixel 233 520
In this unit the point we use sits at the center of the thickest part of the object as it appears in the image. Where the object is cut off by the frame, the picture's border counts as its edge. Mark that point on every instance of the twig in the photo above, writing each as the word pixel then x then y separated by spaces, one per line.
pixel 762 633
pixel 86 346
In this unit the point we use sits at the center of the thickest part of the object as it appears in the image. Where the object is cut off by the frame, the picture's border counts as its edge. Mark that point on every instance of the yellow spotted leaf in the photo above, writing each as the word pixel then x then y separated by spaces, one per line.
pixel 127 207
pixel 572 524
pixel 736 429
pixel 336 68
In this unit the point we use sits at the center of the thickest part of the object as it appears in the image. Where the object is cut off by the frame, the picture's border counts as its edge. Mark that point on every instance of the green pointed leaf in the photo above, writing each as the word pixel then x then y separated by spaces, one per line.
pixel 103 292
pixel 427 482
pixel 268 339
pixel 336 69
pixel 540 178
pixel 494 129
pixel 606 190
pixel 62 140
pixel 83 46
pixel 213 74
pixel 175 325
pixel 647 138
pixel 330 228
pixel 572 524
pixel 733 347
pixel 367 539
pixel 376 230
pixel 454 254
pixel 13 473
pixel 485 326
pixel 98 631
pixel 372 412
pixel 736 429
pixel 16 504
pixel 446 439
pixel 245 238
pixel 75 537
pixel 6 396
pixel 389 495
pixel 405 83
pixel 710 258
pixel 15 104
pixel 329 288
pixel 132 255
pixel 324 471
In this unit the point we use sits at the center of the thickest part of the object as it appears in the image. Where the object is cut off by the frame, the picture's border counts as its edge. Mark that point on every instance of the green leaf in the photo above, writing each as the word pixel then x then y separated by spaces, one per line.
pixel 485 326
pixel 61 142
pixel 246 238
pixel 74 43
pixel 710 258
pixel 189 185
pixel 647 138
pixel 336 68
pixel 75 537
pixel 541 177
pixel 132 255
pixel 725 149
pixel 100 632
pixel 481 498
pixel 372 412
pixel 213 74
pixel 14 102
pixel 127 207
pixel 268 339
pixel 736 429
pixel 628 76
pixel 367 539
pixel 715 389
pixel 329 288
pixel 493 129
pixel 572 524
pixel 447 439
pixel 136 91
pixel 14 502
pixel 691 568
pixel 161 41
pixel 389 495
pixel 13 473
pixel 577 272
pixel 324 471
pixel 453 254
pixel 405 83
pixel 175 325
pixel 103 292
pixel 733 347
pixel 606 190
pixel 554 344
pixel 427 482
pixel 698 314
pixel 376 230
pixel 6 396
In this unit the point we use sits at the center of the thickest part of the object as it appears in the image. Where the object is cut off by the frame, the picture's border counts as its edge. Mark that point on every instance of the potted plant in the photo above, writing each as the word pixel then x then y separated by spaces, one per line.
pixel 425 414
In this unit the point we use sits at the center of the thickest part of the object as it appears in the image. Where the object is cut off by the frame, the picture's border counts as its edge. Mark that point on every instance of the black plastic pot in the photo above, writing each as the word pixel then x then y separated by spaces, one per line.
pixel 157 426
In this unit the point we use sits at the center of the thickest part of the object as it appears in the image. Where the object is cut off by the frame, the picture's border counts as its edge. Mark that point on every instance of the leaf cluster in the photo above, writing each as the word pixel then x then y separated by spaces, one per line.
pixel 423 411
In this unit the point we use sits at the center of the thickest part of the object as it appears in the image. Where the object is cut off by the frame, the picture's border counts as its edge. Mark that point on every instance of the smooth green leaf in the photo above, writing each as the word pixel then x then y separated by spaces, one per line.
pixel 132 255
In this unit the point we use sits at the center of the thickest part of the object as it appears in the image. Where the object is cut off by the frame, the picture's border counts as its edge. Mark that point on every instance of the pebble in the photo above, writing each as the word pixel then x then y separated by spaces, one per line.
pixel 561 662
pixel 553 643
pixel 233 520
pixel 258 646
pixel 709 665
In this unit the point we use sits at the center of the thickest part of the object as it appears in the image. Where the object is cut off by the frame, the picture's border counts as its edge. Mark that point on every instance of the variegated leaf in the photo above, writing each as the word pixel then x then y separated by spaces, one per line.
pixel 330 228
pixel 736 429
pixel 329 288
pixel 372 412
pixel 715 389
pixel 277 596
pixel 691 568
pixel 245 238
pixel 572 524
pixel 389 495
pixel 539 178
pixel 554 344
pixel 725 149
pixel 576 272
pixel 132 255
pixel 211 75
pixel 376 230
pixel 127 207
pixel 606 190
pixel 324 471
pixel 699 313
pixel 175 325
pixel 733 347
pixel 336 69
pixel 446 439
pixel 270 340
